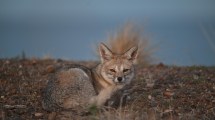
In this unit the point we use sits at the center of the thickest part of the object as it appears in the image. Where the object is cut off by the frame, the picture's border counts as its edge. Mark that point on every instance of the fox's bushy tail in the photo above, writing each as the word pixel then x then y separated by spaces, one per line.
pixel 128 36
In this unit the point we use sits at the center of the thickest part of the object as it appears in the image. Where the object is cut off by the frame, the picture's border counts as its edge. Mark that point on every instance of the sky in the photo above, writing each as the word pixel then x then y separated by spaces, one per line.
pixel 183 32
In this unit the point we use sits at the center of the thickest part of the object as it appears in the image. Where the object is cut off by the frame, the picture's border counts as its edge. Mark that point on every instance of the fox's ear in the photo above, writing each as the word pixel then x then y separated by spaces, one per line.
pixel 132 54
pixel 105 52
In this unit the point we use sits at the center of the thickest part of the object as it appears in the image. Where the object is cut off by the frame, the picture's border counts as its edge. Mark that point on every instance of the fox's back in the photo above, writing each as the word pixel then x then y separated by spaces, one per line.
pixel 69 88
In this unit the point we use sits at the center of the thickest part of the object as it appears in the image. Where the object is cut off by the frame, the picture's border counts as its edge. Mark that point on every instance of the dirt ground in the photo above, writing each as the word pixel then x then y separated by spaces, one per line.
pixel 159 91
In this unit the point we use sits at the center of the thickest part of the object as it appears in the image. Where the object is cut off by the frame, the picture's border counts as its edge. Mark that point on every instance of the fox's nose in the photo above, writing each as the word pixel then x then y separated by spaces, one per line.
pixel 119 79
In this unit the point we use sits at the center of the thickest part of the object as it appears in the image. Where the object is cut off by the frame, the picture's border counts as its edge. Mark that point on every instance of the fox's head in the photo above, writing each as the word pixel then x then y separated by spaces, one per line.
pixel 117 68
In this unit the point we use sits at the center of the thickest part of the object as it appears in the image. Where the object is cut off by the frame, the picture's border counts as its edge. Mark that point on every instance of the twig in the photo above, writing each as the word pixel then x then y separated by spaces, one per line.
pixel 15 106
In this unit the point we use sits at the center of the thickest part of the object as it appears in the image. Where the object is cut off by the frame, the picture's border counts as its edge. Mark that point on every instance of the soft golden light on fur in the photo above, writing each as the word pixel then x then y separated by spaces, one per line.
pixel 128 36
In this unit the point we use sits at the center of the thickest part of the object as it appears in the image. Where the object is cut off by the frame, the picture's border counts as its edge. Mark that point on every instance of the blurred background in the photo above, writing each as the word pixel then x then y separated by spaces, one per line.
pixel 183 32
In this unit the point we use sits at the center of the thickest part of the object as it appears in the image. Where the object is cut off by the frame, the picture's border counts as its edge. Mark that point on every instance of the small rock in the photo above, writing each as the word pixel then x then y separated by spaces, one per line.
pixel 149 97
pixel 50 69
pixel 167 110
pixel 38 114
pixel 20 66
pixel 150 85
pixel 7 62
pixel 168 93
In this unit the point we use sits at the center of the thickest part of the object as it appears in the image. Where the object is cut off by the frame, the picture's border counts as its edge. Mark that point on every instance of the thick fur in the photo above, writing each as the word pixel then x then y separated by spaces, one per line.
pixel 128 36
pixel 77 87
pixel 65 89
pixel 70 88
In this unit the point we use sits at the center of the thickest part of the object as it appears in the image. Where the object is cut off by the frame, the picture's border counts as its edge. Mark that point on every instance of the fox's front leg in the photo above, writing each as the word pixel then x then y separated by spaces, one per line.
pixel 102 97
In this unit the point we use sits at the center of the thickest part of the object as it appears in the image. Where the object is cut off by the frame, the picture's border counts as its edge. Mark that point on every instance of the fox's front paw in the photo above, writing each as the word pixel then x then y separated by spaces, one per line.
pixel 97 101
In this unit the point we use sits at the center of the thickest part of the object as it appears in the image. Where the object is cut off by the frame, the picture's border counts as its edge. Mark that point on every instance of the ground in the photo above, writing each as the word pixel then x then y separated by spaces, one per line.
pixel 158 92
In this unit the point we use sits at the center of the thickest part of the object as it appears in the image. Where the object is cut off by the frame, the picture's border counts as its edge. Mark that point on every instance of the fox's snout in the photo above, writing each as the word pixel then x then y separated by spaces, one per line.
pixel 118 76
pixel 119 79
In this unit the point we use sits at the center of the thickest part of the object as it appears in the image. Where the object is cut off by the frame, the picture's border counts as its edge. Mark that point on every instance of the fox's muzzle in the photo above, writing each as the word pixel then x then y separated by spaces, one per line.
pixel 119 79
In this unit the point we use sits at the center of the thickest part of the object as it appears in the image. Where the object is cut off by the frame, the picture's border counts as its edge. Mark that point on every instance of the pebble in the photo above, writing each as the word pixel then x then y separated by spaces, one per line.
pixel 168 93
pixel 50 69
pixel 149 97
pixel 38 114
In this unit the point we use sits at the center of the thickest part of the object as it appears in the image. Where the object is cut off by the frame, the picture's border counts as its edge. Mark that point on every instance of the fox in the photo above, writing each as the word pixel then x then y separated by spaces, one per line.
pixel 114 72
pixel 77 87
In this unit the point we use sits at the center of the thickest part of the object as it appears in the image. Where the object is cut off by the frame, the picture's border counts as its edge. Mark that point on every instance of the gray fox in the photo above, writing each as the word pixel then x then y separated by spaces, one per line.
pixel 78 86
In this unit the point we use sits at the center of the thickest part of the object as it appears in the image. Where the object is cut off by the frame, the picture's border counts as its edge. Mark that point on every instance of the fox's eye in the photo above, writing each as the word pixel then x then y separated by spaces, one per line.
pixel 112 70
pixel 125 70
